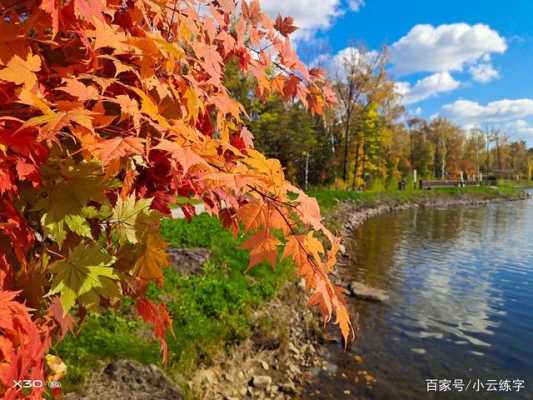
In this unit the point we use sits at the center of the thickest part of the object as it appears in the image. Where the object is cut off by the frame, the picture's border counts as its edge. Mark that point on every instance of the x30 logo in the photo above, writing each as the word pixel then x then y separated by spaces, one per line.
pixel 28 384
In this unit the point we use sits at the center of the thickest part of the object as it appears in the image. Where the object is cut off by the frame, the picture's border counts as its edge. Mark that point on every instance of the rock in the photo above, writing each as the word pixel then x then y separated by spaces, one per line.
pixel 301 284
pixel 294 369
pixel 264 365
pixel 364 292
pixel 126 379
pixel 288 388
pixel 188 261
pixel 261 381
pixel 293 348
pixel 207 376
pixel 342 249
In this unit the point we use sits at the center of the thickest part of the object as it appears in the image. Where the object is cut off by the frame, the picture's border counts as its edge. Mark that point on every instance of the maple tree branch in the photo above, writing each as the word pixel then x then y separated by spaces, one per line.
pixel 285 69
pixel 55 253
pixel 310 257
pixel 254 189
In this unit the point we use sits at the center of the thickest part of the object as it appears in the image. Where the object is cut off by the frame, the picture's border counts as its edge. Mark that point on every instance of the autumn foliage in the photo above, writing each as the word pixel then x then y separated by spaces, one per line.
pixel 110 111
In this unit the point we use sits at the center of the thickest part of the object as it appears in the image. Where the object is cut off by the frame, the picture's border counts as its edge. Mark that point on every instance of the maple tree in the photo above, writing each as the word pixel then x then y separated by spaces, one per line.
pixel 109 111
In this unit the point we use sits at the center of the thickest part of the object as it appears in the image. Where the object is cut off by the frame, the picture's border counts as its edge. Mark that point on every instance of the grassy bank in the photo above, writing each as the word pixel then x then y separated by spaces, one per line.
pixel 329 198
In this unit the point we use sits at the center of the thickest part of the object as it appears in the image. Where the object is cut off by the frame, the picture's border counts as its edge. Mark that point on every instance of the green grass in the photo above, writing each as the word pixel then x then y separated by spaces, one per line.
pixel 328 199
pixel 210 312
pixel 109 336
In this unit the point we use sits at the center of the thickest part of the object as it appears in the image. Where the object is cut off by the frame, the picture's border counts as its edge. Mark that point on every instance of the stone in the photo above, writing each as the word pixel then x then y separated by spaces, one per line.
pixel 264 365
pixel 294 369
pixel 301 284
pixel 188 261
pixel 288 388
pixel 293 348
pixel 363 292
pixel 261 381
pixel 342 249
pixel 124 379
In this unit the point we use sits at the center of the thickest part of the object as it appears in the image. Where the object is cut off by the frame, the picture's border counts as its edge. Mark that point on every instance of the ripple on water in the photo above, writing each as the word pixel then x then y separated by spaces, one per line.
pixel 460 283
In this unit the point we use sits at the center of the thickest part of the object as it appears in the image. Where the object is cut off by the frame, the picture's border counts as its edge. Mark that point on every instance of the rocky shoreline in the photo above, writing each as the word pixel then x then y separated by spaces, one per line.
pixel 354 214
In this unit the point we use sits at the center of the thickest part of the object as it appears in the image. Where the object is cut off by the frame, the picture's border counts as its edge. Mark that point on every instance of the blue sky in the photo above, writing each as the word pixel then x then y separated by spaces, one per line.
pixel 469 60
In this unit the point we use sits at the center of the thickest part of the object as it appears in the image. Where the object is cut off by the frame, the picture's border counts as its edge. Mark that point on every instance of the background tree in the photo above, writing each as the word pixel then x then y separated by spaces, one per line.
pixel 365 91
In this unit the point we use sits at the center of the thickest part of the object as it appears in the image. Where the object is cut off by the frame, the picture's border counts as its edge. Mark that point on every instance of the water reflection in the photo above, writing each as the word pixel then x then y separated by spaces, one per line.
pixel 460 282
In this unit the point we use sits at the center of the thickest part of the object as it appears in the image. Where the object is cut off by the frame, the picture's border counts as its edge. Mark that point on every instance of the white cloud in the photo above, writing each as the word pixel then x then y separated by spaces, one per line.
pixel 444 48
pixel 335 64
pixel 484 73
pixel 429 86
pixel 353 54
pixel 471 112
pixel 309 15
pixel 515 117
pixel 520 126
pixel 518 129
pixel 356 5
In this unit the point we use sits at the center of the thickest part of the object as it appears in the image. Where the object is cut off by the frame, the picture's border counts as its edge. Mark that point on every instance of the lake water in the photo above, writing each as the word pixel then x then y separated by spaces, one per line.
pixel 460 282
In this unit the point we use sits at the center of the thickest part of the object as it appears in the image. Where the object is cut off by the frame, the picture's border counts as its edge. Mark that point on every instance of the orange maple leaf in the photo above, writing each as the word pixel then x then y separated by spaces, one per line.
pixel 263 246
pixel 22 72
pixel 79 90
pixel 158 316
pixel 116 148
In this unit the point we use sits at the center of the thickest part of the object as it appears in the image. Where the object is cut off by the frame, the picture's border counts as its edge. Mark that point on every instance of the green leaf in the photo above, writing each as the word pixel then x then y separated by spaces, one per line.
pixel 182 201
pixel 78 225
pixel 125 216
pixel 54 229
pixel 90 212
pixel 68 188
pixel 85 273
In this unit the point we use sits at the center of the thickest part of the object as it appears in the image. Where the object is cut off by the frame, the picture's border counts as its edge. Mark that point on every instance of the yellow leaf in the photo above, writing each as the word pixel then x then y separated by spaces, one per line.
pixel 33 99
pixel 22 72
pixel 153 257
pixel 313 246
pixel 149 107
pixel 194 105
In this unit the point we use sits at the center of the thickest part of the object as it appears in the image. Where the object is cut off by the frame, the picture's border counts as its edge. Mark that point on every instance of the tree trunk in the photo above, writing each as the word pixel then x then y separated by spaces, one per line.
pixel 356 164
pixel 346 147
pixel 363 147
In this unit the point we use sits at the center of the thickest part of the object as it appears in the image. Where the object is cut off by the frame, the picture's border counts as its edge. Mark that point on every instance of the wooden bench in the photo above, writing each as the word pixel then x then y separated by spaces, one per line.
pixel 428 185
